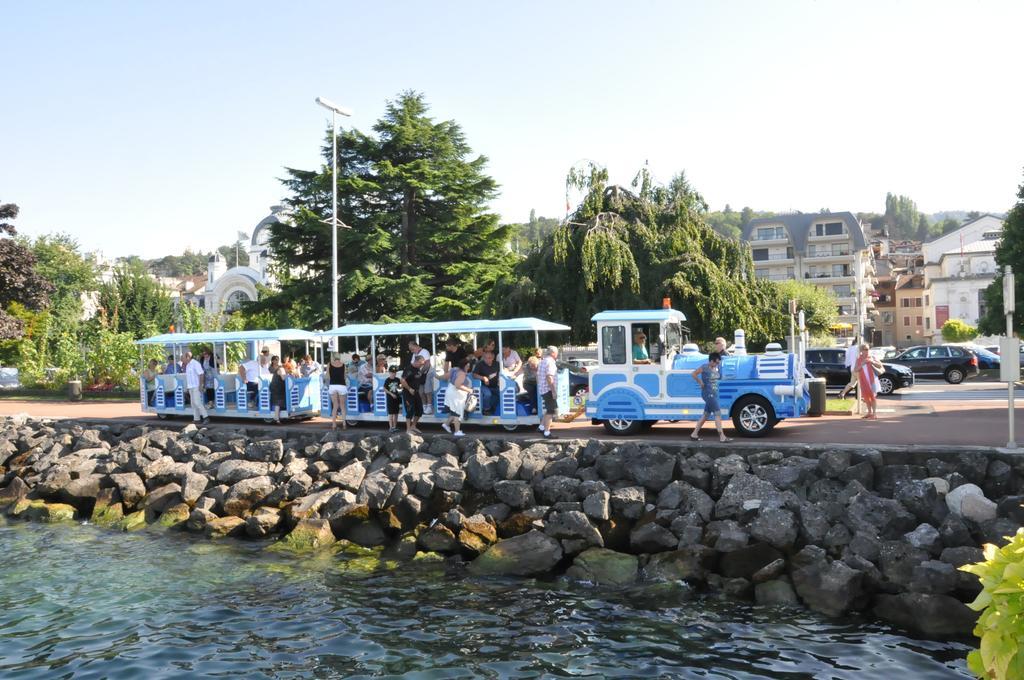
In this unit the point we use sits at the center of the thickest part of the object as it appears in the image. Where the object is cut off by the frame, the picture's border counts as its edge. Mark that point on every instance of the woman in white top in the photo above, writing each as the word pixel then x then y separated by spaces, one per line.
pixel 455 398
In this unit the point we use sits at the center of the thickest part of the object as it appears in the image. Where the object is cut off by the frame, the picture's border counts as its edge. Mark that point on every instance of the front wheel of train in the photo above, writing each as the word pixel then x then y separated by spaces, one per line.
pixel 753 416
pixel 622 427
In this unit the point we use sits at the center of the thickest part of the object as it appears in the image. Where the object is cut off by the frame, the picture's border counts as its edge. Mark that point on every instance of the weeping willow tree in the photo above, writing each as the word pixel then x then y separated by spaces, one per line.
pixel 629 248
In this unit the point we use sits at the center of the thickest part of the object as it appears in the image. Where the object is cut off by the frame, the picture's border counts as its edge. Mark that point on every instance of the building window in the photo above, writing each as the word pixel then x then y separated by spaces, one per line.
pixel 841 291
pixel 840 270
pixel 789 253
pixel 840 249
pixel 888 318
pixel 613 345
pixel 982 307
pixel 235 301
pixel 927 322
pixel 760 254
pixel 769 233
pixel 761 273
pixel 906 322
pixel 829 229
pixel 925 300
pixel 918 321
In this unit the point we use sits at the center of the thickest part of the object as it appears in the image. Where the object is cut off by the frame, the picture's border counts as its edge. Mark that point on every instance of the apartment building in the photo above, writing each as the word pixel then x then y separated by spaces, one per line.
pixel 826 249
pixel 885 312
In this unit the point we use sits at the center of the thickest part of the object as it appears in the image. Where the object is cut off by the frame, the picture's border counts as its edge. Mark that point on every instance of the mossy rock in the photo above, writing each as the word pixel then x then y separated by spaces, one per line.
pixel 428 557
pixel 107 515
pixel 361 567
pixel 18 508
pixel 225 526
pixel 174 516
pixel 41 511
pixel 133 521
pixel 307 536
pixel 601 566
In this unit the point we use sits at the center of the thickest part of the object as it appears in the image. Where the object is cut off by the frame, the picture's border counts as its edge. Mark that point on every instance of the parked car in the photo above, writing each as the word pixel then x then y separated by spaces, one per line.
pixel 581 365
pixel 829 363
pixel 881 351
pixel 579 382
pixel 986 359
pixel 951 362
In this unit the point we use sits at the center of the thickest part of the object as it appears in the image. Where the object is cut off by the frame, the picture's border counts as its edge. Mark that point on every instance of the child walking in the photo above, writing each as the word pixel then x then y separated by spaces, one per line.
pixel 707 376
pixel 393 392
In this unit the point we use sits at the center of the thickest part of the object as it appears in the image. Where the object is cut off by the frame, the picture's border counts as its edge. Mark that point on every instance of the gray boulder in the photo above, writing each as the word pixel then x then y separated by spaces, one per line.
pixel 574 525
pixel 933 577
pixel 482 471
pixel 883 516
pixel 686 498
pixel 525 555
pixel 925 537
pixel 777 528
pixel 515 493
pixel 233 471
pixel 725 535
pixel 449 478
pixel 268 450
pixel 934 616
pixel 246 494
pixel 601 566
pixel 652 538
pixel 743 488
pixel 349 477
pixel 628 502
pixel 597 505
pixel 775 593
pixel 826 586
pixel 650 467
pixel 551 490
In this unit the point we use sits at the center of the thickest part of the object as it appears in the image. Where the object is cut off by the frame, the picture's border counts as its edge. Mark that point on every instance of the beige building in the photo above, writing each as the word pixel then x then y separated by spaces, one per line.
pixel 913 326
pixel 826 249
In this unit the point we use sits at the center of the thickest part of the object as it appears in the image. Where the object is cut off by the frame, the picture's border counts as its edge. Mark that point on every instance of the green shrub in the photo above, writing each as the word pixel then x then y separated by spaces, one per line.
pixel 1001 601
pixel 956 330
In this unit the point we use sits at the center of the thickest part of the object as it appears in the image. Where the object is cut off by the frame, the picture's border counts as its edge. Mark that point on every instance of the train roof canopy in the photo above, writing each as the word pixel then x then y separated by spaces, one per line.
pixel 640 315
pixel 228 336
pixel 446 327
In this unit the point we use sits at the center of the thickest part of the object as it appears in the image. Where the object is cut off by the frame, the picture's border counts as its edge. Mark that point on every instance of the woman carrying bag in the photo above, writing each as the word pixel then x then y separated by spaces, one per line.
pixel 867 369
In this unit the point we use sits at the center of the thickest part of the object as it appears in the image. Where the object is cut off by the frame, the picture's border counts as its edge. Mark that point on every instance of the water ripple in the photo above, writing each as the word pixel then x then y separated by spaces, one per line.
pixel 80 602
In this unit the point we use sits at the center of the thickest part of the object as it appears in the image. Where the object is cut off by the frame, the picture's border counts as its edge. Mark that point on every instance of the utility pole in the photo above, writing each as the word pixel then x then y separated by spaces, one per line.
pixel 1009 350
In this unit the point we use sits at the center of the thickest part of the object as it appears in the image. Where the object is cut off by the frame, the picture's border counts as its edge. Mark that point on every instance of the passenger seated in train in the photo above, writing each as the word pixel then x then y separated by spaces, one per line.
pixel 640 355
pixel 308 367
pixel 361 374
pixel 249 373
pixel 487 372
pixel 150 376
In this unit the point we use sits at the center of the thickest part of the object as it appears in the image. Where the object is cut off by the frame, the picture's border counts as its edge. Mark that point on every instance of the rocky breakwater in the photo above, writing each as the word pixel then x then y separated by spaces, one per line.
pixel 841 531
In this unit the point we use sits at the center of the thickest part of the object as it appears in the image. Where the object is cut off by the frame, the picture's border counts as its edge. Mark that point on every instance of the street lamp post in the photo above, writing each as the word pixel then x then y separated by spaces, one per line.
pixel 335 110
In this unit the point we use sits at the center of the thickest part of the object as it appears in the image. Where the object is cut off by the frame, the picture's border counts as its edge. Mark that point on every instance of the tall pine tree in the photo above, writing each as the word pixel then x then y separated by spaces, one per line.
pixel 421 243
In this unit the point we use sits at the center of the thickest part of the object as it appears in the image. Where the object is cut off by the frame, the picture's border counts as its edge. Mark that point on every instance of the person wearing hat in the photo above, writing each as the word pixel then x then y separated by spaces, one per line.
pixel 640 355
pixel 410 380
pixel 393 392
pixel 265 363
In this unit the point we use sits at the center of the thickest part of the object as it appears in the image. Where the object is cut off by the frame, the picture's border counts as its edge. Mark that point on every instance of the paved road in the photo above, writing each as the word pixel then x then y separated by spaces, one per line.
pixel 954 422
pixel 938 390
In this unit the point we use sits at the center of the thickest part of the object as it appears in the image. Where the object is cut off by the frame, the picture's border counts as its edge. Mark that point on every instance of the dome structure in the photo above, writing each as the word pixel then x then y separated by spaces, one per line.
pixel 228 289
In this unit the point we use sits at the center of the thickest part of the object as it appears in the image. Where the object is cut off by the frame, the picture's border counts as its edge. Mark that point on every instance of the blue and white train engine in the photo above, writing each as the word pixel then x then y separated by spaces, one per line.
pixel 639 382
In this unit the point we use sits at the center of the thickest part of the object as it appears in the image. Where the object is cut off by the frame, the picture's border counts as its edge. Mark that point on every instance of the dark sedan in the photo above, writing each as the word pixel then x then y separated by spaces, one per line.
pixel 829 363
pixel 951 362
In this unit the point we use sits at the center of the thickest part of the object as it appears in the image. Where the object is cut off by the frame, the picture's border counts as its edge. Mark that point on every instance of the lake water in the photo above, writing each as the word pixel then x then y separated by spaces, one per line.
pixel 82 602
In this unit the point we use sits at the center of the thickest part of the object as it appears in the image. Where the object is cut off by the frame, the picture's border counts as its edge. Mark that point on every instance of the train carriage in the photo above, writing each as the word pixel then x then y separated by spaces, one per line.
pixel 231 399
pixel 515 407
pixel 756 391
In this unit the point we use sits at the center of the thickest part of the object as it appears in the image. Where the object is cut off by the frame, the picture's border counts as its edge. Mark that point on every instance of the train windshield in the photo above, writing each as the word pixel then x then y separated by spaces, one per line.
pixel 673 336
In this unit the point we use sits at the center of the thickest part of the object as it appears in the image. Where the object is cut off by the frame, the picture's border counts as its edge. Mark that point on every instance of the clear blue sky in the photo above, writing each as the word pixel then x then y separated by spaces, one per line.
pixel 143 127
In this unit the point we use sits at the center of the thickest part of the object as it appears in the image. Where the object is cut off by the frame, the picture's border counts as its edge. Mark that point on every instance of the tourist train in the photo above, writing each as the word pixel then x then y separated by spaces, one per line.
pixel 756 391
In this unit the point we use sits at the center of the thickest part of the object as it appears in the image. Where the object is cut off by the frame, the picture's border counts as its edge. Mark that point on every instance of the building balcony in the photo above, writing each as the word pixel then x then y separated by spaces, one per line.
pixel 828 278
pixel 769 241
pixel 824 256
pixel 828 237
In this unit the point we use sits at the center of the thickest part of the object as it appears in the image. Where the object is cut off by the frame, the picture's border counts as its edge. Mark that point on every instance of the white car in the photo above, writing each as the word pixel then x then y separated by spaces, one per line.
pixel 582 365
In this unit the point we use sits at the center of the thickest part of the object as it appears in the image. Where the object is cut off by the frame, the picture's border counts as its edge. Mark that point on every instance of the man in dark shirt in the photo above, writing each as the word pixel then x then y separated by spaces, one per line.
pixel 454 354
pixel 412 378
pixel 488 372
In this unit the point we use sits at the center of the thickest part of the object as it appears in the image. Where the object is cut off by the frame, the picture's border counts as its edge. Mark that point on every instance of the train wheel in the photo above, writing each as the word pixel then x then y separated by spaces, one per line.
pixel 753 416
pixel 622 427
